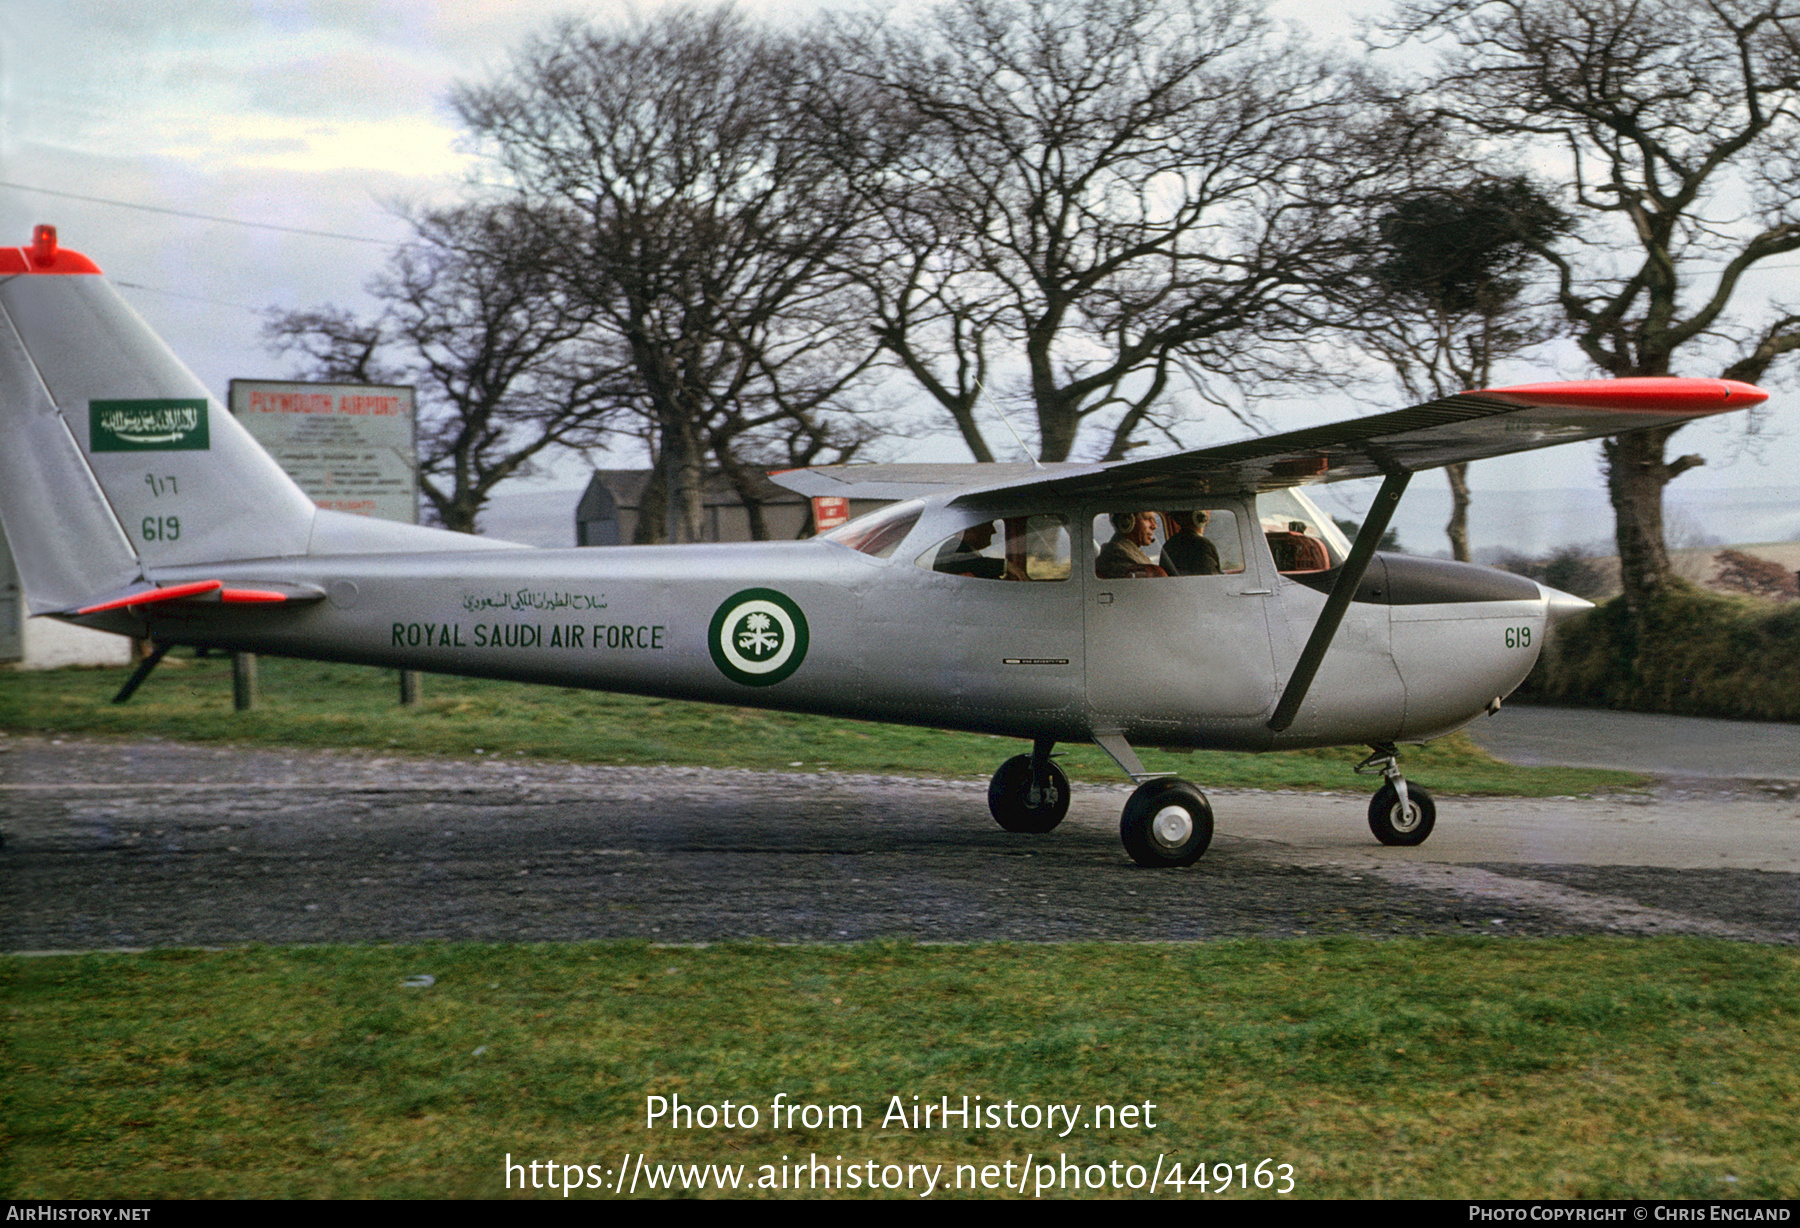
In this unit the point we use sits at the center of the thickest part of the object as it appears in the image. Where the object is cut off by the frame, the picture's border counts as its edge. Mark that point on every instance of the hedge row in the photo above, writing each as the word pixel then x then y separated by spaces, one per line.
pixel 1693 653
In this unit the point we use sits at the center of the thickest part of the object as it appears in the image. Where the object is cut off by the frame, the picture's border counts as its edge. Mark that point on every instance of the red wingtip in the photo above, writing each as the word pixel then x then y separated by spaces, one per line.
pixel 44 256
pixel 1644 394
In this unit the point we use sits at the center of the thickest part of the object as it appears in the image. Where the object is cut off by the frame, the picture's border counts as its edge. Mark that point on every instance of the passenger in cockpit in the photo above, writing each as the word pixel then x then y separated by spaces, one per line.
pixel 1187 552
pixel 962 556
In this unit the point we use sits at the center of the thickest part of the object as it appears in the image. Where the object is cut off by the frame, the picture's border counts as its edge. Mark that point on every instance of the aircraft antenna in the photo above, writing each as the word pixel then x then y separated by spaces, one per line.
pixel 982 392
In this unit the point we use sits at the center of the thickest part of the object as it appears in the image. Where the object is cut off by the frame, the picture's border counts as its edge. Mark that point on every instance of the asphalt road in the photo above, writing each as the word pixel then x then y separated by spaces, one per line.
pixel 1668 746
pixel 148 844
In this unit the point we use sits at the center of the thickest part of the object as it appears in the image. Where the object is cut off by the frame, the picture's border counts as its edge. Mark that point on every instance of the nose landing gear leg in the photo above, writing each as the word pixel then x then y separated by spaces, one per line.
pixel 1399 814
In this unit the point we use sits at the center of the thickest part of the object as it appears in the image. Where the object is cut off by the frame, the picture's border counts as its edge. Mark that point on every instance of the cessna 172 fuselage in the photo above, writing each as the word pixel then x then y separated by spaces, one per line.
pixel 1052 603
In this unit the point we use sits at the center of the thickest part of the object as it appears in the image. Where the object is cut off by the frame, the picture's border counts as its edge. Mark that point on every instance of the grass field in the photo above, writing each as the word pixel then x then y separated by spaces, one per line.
pixel 314 705
pixel 1454 1068
pixel 1447 1068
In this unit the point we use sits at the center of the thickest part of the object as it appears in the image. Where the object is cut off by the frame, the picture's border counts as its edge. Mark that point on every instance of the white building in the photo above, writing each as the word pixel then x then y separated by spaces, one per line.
pixel 45 643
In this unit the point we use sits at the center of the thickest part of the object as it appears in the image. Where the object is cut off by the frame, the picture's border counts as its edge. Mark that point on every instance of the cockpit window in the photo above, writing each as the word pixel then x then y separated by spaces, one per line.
pixel 1300 537
pixel 880 532
pixel 1201 542
pixel 1010 548
pixel 1146 545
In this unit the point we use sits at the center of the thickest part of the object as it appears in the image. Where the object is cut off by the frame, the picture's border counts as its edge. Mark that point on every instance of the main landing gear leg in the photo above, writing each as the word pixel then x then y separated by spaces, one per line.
pixel 1167 822
pixel 1030 793
pixel 1399 814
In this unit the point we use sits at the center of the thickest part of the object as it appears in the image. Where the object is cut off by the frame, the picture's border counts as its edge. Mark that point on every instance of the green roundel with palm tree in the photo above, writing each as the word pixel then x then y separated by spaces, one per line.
pixel 757 637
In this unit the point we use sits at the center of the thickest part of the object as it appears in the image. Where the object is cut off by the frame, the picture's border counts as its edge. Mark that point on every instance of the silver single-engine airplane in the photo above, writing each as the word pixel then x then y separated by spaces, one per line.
pixel 1189 601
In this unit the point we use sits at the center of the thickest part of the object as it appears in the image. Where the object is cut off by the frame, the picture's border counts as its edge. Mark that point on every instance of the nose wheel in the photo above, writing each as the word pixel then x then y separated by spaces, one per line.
pixel 1405 823
pixel 1400 814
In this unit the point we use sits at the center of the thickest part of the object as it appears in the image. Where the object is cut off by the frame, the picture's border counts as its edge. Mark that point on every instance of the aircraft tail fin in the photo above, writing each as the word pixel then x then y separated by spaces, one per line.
pixel 114 460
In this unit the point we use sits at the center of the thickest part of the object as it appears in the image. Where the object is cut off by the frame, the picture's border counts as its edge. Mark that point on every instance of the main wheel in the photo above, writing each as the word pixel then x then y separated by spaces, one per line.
pixel 1392 825
pixel 1013 805
pixel 1166 823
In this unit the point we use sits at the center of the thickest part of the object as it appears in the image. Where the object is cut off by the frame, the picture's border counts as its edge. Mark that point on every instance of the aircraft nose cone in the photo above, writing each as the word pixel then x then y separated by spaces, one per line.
pixel 1559 606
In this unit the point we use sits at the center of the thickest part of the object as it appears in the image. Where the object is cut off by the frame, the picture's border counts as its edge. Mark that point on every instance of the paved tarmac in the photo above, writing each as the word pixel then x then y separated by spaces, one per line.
pixel 1672 746
pixel 133 844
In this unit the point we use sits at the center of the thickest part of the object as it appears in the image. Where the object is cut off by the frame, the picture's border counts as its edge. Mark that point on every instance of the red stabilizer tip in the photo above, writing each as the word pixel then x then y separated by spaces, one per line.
pixel 250 595
pixel 171 593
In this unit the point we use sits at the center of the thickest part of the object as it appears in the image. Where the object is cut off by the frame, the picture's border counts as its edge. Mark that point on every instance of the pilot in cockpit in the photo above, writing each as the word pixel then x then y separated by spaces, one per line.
pixel 1123 557
pixel 962 555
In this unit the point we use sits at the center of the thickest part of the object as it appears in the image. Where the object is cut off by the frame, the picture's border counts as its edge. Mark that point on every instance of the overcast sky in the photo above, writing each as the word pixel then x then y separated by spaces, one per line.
pixel 316 116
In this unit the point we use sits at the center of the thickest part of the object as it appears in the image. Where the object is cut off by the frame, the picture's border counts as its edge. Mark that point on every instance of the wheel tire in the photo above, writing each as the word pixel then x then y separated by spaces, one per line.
pixel 1406 830
pixel 1007 797
pixel 1166 823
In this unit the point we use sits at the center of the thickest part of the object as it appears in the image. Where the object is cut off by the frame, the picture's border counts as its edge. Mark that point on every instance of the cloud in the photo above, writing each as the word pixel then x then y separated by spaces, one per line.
pixel 271 148
pixel 349 84
pixel 418 146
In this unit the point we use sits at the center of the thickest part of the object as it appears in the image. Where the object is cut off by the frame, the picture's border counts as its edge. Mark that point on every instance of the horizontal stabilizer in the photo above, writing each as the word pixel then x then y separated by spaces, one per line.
pixel 150 596
pixel 210 591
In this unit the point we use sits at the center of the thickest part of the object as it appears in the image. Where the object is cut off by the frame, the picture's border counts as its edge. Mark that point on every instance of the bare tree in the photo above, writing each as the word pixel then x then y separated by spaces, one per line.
pixel 1445 295
pixel 331 344
pixel 1111 198
pixel 474 316
pixel 701 225
pixel 1673 127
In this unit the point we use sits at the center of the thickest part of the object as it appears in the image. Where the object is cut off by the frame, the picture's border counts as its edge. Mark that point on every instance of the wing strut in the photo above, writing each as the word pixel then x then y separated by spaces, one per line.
pixel 1361 551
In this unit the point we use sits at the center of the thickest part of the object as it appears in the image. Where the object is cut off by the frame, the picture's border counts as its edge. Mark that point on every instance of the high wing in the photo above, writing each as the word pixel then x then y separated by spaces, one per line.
pixel 918 480
pixel 1465 427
